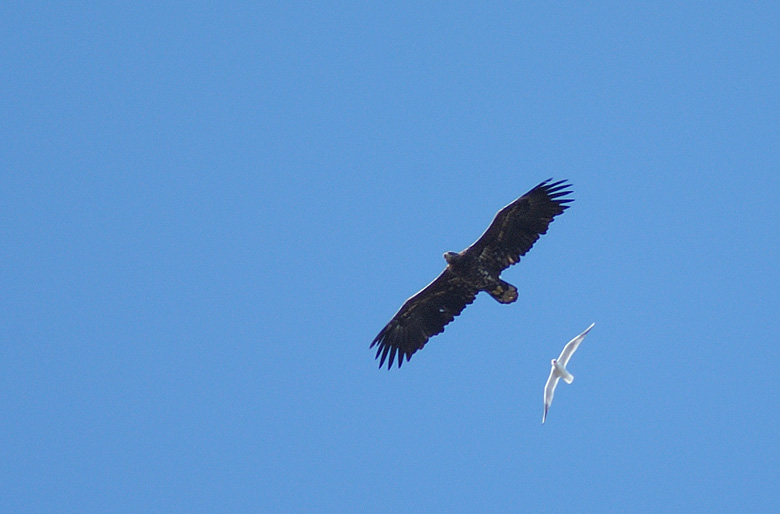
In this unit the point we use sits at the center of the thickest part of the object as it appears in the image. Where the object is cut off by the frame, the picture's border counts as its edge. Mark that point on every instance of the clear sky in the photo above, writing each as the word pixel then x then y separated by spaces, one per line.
pixel 209 210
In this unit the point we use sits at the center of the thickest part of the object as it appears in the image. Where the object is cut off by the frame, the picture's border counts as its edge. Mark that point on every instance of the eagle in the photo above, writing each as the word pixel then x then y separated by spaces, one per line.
pixel 512 233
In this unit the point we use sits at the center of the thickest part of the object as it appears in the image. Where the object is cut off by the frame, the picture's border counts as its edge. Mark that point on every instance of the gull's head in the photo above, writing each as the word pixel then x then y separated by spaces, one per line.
pixel 554 362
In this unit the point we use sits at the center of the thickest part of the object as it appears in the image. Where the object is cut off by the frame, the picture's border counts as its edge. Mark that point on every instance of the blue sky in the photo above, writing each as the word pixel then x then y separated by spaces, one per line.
pixel 208 212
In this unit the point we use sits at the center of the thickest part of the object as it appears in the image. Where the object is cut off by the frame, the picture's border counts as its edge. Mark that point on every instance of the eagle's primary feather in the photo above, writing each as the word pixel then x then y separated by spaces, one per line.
pixel 512 233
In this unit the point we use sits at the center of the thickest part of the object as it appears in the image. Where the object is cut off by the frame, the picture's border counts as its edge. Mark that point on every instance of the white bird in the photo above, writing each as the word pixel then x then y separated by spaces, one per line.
pixel 559 370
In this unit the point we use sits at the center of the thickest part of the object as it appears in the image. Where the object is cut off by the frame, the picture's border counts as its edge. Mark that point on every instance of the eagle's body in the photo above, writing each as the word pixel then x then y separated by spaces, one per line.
pixel 466 266
pixel 512 233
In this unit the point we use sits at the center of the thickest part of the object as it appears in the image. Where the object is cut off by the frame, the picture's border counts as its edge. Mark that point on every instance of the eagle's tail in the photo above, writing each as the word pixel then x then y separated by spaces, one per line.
pixel 504 292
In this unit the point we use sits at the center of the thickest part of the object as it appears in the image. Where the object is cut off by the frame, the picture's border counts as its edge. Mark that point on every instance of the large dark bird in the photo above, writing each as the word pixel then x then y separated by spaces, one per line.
pixel 512 233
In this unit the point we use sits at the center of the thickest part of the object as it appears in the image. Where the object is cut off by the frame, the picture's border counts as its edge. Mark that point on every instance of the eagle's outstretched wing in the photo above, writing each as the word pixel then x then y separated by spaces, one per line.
pixel 422 316
pixel 517 226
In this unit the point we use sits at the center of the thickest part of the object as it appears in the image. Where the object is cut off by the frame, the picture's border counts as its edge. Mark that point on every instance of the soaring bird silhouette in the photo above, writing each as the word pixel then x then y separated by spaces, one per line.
pixel 512 233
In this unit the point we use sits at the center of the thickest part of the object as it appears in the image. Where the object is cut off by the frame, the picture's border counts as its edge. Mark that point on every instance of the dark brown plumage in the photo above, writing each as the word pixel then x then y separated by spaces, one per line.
pixel 512 233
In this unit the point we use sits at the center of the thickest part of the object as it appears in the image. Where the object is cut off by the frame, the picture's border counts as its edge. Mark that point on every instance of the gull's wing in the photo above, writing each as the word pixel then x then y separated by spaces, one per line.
pixel 571 346
pixel 549 391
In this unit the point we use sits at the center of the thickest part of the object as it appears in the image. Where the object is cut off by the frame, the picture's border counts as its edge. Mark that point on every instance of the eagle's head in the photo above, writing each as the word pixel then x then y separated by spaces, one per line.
pixel 450 257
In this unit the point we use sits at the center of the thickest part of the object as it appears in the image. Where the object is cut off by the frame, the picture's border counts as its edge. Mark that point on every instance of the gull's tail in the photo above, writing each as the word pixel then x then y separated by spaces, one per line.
pixel 562 372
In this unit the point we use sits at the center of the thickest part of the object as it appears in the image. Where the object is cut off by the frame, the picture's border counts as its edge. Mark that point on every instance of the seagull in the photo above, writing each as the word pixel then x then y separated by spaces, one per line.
pixel 559 369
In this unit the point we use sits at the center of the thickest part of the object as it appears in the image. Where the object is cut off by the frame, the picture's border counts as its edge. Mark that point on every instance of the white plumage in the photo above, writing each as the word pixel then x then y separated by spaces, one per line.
pixel 558 370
